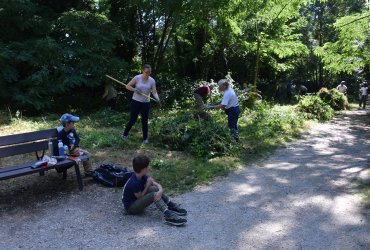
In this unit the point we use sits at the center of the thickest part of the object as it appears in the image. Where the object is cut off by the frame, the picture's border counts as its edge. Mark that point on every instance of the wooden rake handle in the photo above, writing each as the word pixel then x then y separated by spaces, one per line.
pixel 147 96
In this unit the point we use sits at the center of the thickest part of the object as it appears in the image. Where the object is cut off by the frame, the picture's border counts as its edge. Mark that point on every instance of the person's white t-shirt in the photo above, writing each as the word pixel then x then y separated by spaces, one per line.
pixel 145 86
pixel 230 99
pixel 342 88
pixel 363 90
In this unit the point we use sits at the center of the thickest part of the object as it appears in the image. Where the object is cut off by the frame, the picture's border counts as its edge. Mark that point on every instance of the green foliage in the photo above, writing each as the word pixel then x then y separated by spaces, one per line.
pixel 195 132
pixel 266 126
pixel 49 59
pixel 350 52
pixel 315 108
pixel 249 97
pixel 365 192
pixel 335 99
pixel 60 50
pixel 180 175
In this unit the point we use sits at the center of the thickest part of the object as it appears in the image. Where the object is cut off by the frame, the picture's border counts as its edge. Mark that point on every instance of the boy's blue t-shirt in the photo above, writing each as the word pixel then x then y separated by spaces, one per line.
pixel 132 186
pixel 69 138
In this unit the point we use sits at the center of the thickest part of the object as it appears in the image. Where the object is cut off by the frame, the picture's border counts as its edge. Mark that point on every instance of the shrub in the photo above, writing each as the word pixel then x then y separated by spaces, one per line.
pixel 335 99
pixel 195 132
pixel 315 108
pixel 249 98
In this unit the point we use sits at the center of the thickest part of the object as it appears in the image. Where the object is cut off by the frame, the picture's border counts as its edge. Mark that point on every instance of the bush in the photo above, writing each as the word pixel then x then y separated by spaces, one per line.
pixel 315 108
pixel 249 98
pixel 195 132
pixel 335 99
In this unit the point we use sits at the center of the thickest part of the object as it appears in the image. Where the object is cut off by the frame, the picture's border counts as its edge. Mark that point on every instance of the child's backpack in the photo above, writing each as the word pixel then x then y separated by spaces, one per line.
pixel 112 175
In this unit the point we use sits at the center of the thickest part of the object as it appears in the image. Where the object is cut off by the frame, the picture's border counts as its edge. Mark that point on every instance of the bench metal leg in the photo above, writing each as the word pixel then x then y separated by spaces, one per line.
pixel 79 178
pixel 42 173
pixel 65 174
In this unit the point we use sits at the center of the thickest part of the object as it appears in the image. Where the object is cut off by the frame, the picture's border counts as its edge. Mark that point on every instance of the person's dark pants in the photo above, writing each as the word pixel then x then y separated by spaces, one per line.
pixel 232 121
pixel 137 108
pixel 140 204
pixel 363 100
pixel 289 96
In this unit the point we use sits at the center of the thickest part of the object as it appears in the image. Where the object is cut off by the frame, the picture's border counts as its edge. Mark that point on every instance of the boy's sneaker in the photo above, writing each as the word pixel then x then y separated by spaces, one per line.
pixel 172 219
pixel 145 142
pixel 177 209
pixel 124 137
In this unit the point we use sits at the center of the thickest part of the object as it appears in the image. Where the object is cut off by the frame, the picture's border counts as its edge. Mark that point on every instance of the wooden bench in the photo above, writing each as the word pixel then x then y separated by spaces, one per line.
pixel 33 142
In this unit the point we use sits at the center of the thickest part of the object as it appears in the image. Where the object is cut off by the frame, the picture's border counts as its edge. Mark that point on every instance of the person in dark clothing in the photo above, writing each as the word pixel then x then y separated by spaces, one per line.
pixel 140 191
pixel 363 95
pixel 289 90
pixel 302 90
pixel 70 138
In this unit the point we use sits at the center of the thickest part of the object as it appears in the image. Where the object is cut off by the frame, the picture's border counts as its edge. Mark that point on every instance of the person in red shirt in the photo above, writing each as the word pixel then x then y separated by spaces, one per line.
pixel 201 94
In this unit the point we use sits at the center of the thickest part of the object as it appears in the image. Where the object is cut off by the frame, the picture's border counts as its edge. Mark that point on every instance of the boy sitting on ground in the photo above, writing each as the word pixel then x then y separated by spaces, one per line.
pixel 141 191
pixel 69 137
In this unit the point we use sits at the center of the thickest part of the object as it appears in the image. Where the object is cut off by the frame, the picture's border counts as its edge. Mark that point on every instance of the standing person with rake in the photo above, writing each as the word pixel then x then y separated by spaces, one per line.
pixel 142 85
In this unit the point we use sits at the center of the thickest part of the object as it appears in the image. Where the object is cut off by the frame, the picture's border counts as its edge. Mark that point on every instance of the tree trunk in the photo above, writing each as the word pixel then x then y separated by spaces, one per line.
pixel 256 69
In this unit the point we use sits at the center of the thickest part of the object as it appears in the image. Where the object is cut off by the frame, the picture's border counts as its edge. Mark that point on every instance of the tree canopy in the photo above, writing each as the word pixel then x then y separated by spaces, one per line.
pixel 56 53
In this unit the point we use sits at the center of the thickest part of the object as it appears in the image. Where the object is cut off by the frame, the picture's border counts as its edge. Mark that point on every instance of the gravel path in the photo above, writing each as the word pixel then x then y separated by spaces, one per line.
pixel 303 196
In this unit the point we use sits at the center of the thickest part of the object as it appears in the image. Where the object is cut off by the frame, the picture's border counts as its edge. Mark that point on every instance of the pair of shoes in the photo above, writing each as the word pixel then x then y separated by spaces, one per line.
pixel 145 141
pixel 124 137
pixel 176 208
pixel 172 219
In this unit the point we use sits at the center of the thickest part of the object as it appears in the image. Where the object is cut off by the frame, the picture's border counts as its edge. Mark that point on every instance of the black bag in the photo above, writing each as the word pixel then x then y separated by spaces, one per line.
pixel 111 175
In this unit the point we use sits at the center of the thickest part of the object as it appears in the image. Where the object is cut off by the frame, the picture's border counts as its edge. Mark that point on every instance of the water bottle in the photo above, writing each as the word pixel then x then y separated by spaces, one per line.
pixel 51 148
pixel 60 148
pixel 66 152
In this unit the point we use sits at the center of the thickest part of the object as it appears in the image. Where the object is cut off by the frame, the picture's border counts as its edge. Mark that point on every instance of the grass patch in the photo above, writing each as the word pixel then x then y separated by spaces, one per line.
pixel 365 193
pixel 180 176
pixel 201 150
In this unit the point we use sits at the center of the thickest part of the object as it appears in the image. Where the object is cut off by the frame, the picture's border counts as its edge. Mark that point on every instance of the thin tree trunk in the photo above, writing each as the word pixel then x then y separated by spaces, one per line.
pixel 161 42
pixel 256 69
pixel 161 54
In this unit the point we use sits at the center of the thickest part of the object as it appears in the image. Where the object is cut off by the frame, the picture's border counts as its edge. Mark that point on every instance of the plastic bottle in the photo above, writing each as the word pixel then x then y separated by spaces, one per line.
pixel 51 148
pixel 60 148
pixel 66 150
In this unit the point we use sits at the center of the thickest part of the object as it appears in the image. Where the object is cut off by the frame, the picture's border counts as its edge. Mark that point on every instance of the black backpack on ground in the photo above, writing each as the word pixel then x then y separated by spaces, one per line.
pixel 112 175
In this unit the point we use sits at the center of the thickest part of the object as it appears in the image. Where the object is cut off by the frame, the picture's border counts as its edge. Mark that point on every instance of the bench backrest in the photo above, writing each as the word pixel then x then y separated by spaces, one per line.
pixel 26 143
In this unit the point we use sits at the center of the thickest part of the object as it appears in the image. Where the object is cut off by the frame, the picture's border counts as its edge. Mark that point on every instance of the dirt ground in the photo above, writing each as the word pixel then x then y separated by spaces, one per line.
pixel 303 196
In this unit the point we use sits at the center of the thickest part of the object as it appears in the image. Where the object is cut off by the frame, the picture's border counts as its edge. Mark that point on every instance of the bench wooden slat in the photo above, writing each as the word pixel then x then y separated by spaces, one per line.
pixel 16 167
pixel 28 137
pixel 23 148
pixel 25 169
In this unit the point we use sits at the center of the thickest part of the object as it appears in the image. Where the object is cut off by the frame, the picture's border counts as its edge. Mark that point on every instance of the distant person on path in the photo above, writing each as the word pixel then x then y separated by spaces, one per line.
pixel 363 95
pixel 69 137
pixel 140 104
pixel 289 91
pixel 201 94
pixel 110 95
pixel 140 191
pixel 230 104
pixel 342 88
pixel 302 90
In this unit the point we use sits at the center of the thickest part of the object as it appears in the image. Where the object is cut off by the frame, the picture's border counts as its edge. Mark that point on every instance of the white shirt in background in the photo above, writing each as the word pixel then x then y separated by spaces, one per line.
pixel 363 90
pixel 342 88
pixel 230 99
